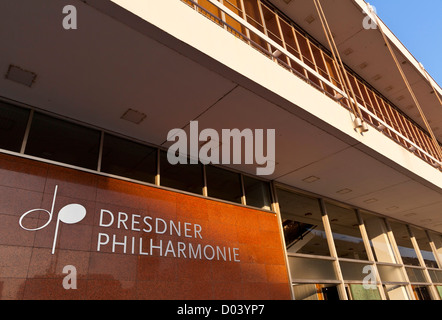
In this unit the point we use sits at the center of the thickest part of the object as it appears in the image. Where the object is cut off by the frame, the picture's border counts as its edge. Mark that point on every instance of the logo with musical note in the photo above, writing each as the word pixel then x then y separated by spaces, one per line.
pixel 69 214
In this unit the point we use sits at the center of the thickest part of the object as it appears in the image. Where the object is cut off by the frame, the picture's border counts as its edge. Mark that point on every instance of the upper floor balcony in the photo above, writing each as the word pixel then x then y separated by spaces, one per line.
pixel 272 33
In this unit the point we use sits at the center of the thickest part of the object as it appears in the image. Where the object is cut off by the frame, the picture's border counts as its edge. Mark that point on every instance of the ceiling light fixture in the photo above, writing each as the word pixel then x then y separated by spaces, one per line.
pixel 310 19
pixel 133 116
pixel 348 51
pixel 311 179
pixel 20 75
pixel 344 191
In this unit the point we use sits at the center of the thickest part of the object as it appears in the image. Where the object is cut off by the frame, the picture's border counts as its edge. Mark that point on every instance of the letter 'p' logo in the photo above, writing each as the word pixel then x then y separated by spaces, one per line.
pixel 69 214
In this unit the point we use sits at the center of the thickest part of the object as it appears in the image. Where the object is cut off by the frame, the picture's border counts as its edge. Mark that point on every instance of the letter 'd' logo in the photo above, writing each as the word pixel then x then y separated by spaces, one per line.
pixel 69 214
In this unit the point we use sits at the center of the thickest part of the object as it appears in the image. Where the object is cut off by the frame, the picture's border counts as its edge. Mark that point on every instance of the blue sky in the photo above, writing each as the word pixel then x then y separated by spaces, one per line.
pixel 418 25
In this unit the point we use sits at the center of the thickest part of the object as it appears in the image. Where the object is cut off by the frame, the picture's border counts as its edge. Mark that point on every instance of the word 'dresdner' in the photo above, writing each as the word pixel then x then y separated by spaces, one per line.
pixel 150 246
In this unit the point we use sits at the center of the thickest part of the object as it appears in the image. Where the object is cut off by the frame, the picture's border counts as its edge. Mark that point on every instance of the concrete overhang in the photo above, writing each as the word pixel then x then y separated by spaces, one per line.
pixel 365 52
pixel 140 56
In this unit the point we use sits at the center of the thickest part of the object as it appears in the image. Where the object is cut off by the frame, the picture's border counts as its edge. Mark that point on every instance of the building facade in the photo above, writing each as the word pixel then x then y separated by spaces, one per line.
pixel 91 206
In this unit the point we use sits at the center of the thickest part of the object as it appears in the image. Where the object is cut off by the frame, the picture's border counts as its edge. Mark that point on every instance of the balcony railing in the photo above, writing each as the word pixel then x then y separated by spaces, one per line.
pixel 281 40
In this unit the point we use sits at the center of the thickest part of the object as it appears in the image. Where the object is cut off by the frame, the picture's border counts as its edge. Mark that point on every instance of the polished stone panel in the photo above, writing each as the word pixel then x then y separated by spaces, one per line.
pixel 135 241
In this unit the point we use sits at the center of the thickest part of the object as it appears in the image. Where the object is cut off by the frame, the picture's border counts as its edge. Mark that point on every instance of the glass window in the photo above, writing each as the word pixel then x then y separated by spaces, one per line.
pixel 302 223
pixel 379 241
pixel 316 291
pixel 359 292
pixel 187 177
pixel 437 240
pixel 424 247
pixel 421 293
pixel 396 292
pixel 439 289
pixel 391 273
pixel 129 159
pixel 402 238
pixel 253 16
pixel 223 184
pixel 352 271
pixel 63 141
pixel 210 11
pixel 311 269
pixel 13 121
pixel 257 193
pixel 415 275
pixel 435 275
pixel 346 234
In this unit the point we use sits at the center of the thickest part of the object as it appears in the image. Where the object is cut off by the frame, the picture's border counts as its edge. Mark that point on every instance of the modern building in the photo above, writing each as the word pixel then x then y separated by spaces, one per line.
pixel 91 207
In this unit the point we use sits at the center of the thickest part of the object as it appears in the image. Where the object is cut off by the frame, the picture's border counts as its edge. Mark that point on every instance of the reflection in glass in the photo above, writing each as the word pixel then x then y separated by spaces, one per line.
pixel 311 268
pixel 129 159
pixel 404 244
pixel 435 275
pixel 352 271
pixel 316 292
pixel 424 247
pixel 415 275
pixel 391 273
pixel 379 241
pixel 439 290
pixel 421 293
pixel 13 121
pixel 257 193
pixel 302 223
pixel 63 141
pixel 436 238
pixel 360 292
pixel 186 177
pixel 396 292
pixel 346 234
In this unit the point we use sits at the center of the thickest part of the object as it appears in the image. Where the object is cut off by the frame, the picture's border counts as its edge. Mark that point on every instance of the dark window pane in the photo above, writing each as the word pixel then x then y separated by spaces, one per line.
pixel 302 224
pixel 13 121
pixel 129 159
pixel 257 193
pixel 346 234
pixel 223 184
pixel 62 141
pixel 187 177
pixel 404 244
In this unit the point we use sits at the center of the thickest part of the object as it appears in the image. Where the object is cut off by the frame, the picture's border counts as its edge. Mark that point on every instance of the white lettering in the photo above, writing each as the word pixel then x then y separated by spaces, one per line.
pixel 100 242
pixel 157 226
pixel 122 218
pixel 102 224
pixel 135 222
pixel 149 226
